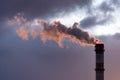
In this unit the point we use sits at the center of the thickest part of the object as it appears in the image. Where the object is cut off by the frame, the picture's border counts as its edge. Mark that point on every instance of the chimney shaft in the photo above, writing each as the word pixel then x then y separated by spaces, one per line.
pixel 99 49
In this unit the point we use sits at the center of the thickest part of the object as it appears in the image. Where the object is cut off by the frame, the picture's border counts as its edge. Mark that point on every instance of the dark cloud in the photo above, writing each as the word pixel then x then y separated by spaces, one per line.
pixel 106 7
pixel 88 22
pixel 92 21
pixel 115 2
pixel 38 8
pixel 95 14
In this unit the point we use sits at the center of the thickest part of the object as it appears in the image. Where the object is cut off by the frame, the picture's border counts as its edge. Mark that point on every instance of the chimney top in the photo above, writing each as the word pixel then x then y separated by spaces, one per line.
pixel 99 46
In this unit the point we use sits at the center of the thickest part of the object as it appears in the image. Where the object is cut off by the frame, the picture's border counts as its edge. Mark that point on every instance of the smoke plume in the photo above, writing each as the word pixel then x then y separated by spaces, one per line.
pixel 55 31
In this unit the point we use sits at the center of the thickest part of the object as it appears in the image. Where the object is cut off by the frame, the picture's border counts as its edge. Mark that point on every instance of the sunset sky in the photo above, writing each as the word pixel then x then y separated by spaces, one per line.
pixel 24 57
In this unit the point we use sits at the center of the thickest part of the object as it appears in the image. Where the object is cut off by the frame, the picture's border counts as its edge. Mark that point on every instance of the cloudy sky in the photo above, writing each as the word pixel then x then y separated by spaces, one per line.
pixel 34 60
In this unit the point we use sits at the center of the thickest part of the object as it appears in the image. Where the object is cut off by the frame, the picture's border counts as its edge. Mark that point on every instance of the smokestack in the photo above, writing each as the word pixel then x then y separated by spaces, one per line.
pixel 99 49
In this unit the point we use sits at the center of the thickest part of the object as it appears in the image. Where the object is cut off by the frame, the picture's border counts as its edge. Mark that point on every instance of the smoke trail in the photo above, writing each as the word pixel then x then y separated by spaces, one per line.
pixel 55 31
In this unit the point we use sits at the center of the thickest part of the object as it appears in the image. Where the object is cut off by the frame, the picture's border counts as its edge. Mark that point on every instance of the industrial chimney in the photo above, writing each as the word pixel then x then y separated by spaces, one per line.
pixel 99 49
